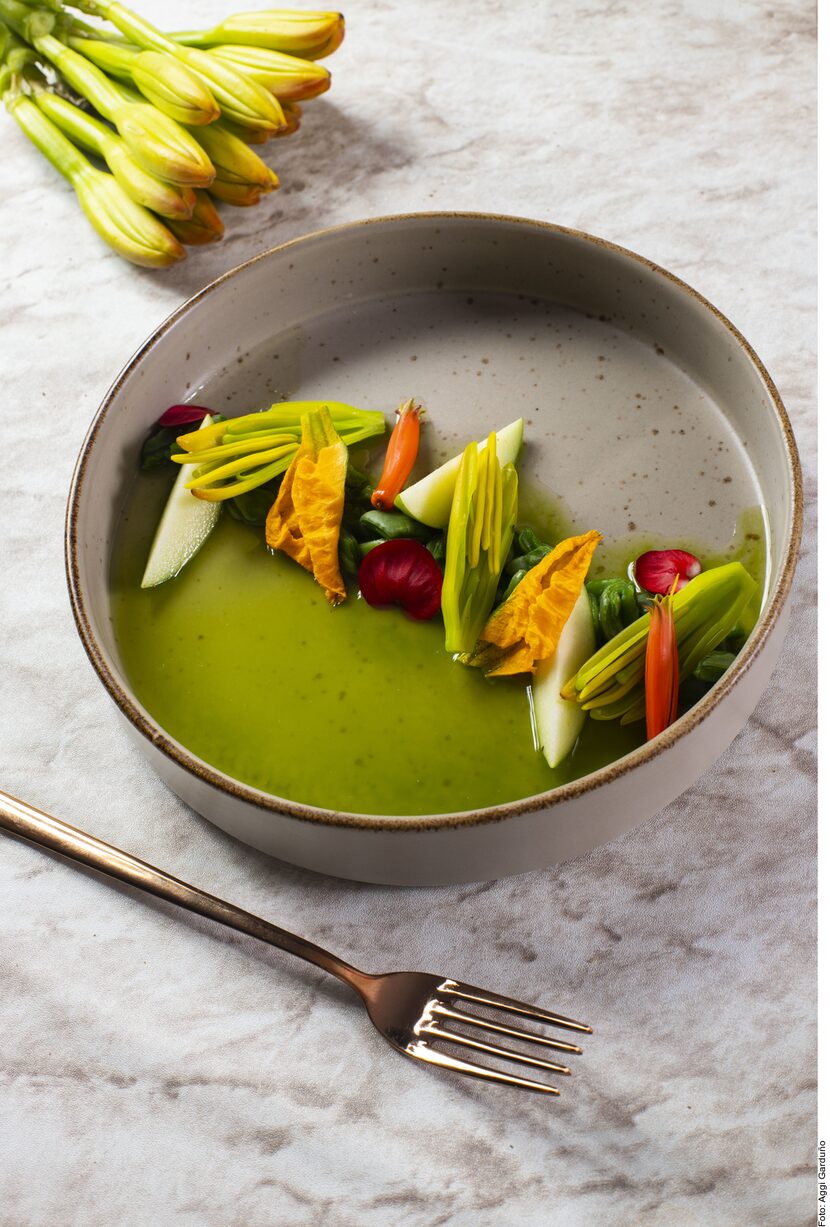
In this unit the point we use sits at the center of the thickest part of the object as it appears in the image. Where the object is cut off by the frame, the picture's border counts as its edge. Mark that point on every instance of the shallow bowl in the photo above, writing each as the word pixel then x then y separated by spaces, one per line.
pixel 644 405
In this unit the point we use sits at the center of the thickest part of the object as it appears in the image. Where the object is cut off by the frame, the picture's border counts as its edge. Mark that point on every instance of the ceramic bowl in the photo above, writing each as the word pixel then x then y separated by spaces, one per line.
pixel 644 405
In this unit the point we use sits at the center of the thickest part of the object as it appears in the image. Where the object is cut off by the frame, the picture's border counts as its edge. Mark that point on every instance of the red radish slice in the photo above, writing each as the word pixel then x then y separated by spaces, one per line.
pixel 182 415
pixel 657 570
pixel 402 572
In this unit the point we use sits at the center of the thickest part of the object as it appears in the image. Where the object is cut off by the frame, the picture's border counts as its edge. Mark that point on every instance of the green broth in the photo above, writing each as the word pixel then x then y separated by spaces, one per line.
pixel 241 660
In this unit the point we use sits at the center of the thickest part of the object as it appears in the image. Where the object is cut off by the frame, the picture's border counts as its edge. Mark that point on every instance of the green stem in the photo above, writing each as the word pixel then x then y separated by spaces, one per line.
pixel 51 142
pixel 131 25
pixel 83 76
pixel 189 38
pixel 116 59
pixel 28 23
pixel 82 127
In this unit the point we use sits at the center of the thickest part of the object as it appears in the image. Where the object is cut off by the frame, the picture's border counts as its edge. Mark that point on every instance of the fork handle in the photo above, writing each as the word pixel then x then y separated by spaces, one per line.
pixel 21 819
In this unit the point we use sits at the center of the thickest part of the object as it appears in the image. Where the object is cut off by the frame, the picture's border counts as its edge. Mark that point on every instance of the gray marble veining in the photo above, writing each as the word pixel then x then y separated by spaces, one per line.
pixel 156 1071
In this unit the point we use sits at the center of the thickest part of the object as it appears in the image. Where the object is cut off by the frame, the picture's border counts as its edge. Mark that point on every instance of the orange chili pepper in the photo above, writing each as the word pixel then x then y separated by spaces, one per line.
pixel 662 667
pixel 400 455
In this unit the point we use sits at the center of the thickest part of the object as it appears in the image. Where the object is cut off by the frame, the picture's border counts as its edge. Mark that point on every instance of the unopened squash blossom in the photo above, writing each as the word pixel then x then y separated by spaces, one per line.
pixel 311 35
pixel 287 77
pixel 163 79
pixel 130 229
pixel 157 91
pixel 203 226
pixel 610 686
pixel 241 99
pixel 238 169
pixel 166 199
pixel 159 143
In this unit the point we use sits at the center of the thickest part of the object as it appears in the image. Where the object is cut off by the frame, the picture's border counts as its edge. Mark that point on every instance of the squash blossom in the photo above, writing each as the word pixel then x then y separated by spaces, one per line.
pixel 524 631
pixel 241 99
pixel 167 199
pixel 479 536
pixel 203 226
pixel 160 144
pixel 304 521
pixel 311 35
pixel 287 77
pixel 237 456
pixel 163 80
pixel 237 165
pixel 130 229
pixel 611 685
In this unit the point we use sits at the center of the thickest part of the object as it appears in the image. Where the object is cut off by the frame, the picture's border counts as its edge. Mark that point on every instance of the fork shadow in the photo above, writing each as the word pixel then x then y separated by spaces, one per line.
pixel 332 148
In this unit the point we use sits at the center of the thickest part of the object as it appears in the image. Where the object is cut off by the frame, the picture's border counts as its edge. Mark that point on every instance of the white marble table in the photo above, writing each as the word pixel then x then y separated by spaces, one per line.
pixel 155 1071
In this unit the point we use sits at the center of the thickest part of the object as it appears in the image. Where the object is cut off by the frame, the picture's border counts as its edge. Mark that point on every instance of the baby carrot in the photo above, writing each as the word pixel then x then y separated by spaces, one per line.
pixel 400 455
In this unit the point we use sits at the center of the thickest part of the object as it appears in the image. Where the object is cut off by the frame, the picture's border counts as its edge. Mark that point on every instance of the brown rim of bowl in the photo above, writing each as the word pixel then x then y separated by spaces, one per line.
pixel 381 822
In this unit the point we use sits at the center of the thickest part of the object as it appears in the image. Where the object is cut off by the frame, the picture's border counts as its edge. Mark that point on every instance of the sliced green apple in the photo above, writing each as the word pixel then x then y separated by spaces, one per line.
pixel 184 527
pixel 430 499
pixel 559 721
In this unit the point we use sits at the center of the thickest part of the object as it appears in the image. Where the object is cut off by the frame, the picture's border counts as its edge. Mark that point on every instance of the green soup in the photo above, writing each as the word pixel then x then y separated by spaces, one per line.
pixel 241 660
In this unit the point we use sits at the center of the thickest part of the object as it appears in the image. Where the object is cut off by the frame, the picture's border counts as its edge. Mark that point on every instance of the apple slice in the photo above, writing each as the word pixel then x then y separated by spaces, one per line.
pixel 430 499
pixel 184 527
pixel 559 721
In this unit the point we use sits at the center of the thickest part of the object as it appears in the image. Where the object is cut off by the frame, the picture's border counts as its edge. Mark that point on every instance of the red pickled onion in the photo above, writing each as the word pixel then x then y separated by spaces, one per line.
pixel 182 415
pixel 657 570
pixel 402 572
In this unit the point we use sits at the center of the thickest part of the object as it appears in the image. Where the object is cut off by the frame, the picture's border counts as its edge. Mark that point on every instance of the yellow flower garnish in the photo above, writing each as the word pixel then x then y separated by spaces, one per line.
pixel 304 522
pixel 524 631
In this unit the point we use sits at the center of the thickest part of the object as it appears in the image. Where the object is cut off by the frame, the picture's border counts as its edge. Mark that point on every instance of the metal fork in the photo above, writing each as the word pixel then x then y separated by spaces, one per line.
pixel 413 1011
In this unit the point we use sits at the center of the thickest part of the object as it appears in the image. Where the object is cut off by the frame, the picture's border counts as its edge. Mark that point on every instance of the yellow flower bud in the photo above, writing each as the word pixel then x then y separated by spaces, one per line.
pixel 309 34
pixel 203 226
pixel 130 229
pixel 235 162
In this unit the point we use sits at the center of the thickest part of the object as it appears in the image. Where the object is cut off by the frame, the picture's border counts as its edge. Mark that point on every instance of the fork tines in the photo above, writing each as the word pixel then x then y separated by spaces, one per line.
pixel 440 1011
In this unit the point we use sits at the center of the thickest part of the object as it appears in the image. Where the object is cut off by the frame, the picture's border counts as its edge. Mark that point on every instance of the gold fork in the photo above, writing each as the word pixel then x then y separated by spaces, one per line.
pixel 412 1010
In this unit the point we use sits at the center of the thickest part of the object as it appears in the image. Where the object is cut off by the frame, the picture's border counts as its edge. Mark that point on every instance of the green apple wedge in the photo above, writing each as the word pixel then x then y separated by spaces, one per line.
pixel 430 500
pixel 559 721
pixel 184 527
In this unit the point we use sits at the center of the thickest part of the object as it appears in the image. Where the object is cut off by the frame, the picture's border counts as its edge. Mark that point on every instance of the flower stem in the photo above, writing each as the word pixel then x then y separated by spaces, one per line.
pixel 51 142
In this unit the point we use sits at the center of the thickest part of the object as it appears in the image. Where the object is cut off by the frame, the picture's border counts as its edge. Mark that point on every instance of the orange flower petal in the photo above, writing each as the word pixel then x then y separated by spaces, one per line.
pixel 304 521
pixel 525 630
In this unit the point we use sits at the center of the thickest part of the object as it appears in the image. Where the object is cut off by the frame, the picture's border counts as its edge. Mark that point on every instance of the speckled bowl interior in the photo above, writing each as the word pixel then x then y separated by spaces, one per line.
pixel 647 414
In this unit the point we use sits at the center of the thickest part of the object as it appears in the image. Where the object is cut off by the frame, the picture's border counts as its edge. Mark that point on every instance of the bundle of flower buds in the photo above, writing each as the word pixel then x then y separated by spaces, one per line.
pixel 169 119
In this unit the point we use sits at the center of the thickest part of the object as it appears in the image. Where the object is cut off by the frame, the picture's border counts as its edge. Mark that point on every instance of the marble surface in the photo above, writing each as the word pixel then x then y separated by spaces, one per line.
pixel 156 1071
